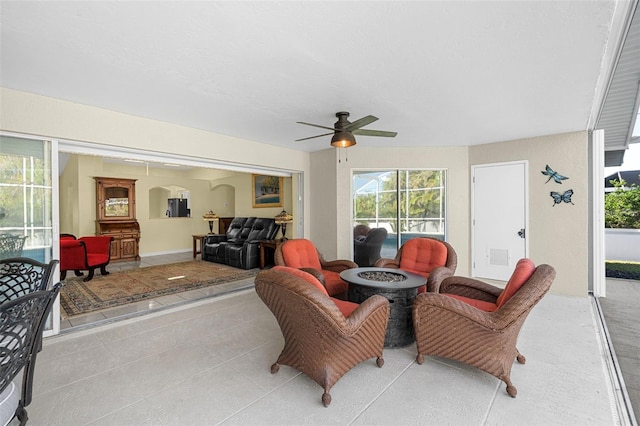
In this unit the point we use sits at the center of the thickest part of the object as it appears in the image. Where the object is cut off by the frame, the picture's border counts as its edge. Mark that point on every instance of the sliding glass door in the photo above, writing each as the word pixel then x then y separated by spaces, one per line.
pixel 26 199
pixel 407 203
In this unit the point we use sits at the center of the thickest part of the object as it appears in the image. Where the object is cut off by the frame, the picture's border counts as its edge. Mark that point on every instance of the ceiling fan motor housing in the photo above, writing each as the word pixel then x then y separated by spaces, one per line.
pixel 342 120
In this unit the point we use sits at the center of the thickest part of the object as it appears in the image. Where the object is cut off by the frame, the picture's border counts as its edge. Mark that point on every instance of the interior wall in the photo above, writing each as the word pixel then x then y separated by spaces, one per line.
pixel 158 234
pixel 325 216
pixel 27 113
pixel 558 233
pixel 453 159
pixel 69 200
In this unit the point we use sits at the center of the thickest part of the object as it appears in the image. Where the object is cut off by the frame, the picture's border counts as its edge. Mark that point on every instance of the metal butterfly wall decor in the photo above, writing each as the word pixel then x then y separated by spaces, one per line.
pixel 558 178
pixel 559 198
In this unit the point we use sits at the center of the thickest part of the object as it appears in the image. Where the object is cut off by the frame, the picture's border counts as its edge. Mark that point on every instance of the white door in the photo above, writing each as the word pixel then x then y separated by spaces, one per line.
pixel 499 218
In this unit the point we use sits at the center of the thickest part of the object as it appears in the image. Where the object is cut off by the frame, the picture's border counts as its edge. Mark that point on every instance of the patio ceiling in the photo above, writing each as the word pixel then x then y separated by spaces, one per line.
pixel 439 73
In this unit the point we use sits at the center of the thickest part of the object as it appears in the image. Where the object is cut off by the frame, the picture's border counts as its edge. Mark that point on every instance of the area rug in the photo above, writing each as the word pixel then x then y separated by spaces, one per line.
pixel 123 287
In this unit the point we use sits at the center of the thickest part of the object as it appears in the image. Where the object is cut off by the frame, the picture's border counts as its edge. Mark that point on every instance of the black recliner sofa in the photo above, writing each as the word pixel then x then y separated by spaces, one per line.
pixel 214 244
pixel 246 254
pixel 239 247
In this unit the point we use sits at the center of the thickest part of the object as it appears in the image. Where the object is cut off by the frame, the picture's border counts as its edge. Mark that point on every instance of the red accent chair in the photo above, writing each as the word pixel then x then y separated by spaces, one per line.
pixel 477 323
pixel 324 337
pixel 302 254
pixel 84 254
pixel 421 256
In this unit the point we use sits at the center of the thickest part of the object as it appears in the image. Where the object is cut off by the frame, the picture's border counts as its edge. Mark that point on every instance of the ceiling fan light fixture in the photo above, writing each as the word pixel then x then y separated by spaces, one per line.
pixel 343 139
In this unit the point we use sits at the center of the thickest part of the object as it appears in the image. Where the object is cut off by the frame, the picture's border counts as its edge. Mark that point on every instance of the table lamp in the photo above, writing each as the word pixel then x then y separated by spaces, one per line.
pixel 210 217
pixel 283 218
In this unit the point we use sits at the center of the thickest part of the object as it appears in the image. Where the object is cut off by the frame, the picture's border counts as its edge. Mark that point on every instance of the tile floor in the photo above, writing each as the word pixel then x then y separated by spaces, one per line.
pixel 207 362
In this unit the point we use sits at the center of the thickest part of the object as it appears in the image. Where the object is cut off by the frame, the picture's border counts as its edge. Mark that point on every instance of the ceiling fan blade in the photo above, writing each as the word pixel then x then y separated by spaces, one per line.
pixel 366 132
pixel 361 122
pixel 313 137
pixel 315 125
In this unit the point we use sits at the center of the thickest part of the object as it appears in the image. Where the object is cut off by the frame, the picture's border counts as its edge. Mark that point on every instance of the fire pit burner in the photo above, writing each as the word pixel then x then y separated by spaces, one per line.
pixel 399 287
pixel 382 276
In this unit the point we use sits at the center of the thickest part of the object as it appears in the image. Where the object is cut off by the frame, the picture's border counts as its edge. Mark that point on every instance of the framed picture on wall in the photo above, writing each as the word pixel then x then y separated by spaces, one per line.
pixel 266 191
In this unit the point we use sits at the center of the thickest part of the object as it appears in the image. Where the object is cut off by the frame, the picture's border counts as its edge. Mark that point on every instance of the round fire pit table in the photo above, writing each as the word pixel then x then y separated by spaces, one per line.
pixel 399 287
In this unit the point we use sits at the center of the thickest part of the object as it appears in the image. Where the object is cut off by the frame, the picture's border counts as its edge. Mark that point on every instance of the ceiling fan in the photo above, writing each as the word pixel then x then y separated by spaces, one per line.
pixel 343 130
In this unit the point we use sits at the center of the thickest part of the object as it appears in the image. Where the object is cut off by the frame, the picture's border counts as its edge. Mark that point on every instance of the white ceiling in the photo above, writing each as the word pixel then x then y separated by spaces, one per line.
pixel 437 72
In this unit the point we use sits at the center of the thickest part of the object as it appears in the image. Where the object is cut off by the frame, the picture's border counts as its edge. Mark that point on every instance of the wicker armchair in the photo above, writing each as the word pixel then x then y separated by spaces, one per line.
pixel 421 256
pixel 324 337
pixel 366 249
pixel 302 254
pixel 478 324
pixel 22 321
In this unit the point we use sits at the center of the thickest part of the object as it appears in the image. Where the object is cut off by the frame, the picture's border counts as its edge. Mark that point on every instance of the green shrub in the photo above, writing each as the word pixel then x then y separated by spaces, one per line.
pixel 622 207
pixel 626 270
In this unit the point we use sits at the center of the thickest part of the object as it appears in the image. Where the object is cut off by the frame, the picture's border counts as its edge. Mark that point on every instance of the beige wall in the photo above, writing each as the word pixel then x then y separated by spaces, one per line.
pixel 331 217
pixel 26 113
pixel 558 235
pixel 158 234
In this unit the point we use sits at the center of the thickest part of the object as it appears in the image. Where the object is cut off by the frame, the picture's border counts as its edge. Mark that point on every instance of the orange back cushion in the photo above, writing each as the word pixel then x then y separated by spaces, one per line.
pixel 304 275
pixel 423 254
pixel 480 304
pixel 522 273
pixel 300 254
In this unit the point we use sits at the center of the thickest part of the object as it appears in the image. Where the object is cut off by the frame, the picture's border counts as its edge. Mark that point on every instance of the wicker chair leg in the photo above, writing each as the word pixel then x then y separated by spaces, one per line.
pixel 420 359
pixel 520 358
pixel 380 361
pixel 275 368
pixel 511 390
pixel 326 398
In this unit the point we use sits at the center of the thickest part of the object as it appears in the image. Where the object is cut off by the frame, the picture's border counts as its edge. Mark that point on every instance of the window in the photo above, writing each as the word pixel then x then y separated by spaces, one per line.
pixel 26 194
pixel 407 203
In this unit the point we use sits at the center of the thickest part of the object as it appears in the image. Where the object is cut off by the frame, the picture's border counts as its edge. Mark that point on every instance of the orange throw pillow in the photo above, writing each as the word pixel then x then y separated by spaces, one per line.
pixel 522 273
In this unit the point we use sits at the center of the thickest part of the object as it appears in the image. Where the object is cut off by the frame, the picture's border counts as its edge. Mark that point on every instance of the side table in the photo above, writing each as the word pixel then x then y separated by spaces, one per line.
pixel 196 238
pixel 267 244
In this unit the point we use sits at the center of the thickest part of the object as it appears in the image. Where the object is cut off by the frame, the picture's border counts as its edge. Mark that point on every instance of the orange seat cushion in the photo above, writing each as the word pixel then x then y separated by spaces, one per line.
pixel 480 304
pixel 304 275
pixel 335 285
pixel 303 254
pixel 300 254
pixel 423 255
pixel 522 273
pixel 345 307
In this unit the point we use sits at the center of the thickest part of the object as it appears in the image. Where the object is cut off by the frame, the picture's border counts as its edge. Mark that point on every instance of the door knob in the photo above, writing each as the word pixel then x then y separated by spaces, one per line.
pixel 521 233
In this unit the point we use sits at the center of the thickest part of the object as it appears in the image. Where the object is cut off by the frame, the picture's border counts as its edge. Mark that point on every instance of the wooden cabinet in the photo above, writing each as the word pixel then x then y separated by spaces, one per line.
pixel 116 216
